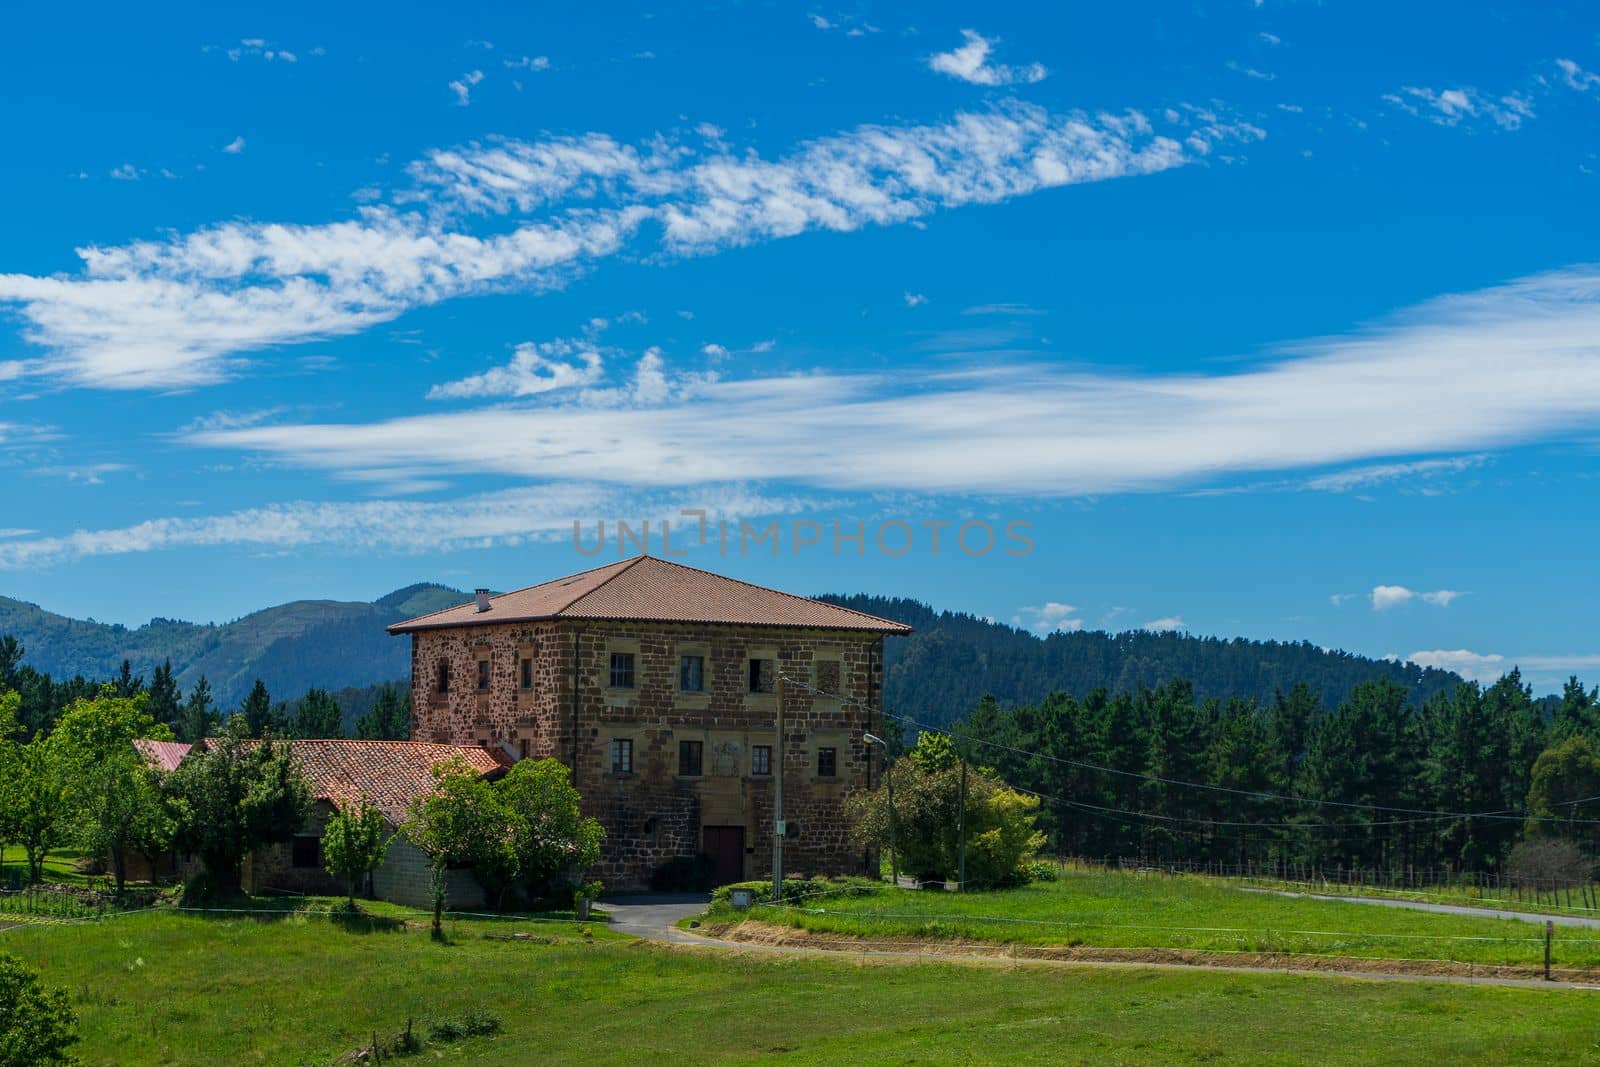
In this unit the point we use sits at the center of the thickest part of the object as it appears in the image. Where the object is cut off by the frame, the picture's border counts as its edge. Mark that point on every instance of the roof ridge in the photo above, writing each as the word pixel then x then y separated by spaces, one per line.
pixel 627 565
pixel 524 589
pixel 758 588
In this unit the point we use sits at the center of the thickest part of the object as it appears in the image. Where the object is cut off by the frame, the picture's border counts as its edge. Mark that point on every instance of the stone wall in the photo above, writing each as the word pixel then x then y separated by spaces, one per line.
pixel 652 813
pixel 527 720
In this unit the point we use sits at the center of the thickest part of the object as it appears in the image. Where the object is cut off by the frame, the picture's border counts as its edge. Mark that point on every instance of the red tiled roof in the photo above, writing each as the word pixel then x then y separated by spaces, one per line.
pixel 654 590
pixel 389 774
pixel 162 755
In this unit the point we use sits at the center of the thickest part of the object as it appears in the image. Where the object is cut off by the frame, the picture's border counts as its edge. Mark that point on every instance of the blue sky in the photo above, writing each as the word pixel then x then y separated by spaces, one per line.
pixel 1276 320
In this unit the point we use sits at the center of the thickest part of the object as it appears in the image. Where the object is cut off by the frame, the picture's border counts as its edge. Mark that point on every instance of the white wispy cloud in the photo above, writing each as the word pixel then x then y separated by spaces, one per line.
pixel 1338 599
pixel 1540 668
pixel 970 63
pixel 84 474
pixel 915 299
pixel 234 147
pixel 535 367
pixel 533 63
pixel 1169 622
pixel 1430 381
pixel 1453 107
pixel 256 48
pixel 509 517
pixel 462 86
pixel 1385 597
pixel 1378 474
pixel 1473 666
pixel 1049 617
pixel 1575 77
pixel 182 311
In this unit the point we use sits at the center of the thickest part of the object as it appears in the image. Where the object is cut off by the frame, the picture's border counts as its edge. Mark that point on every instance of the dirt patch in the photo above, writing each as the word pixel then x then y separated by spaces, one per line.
pixel 752 932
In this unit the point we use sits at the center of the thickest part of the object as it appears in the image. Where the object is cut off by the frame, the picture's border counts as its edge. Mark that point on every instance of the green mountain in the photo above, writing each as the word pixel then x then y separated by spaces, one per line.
pixel 953 660
pixel 937 674
pixel 330 644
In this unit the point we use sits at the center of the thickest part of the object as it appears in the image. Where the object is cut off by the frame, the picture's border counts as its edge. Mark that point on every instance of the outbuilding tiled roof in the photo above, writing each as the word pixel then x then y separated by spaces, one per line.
pixel 389 774
pixel 162 755
pixel 648 589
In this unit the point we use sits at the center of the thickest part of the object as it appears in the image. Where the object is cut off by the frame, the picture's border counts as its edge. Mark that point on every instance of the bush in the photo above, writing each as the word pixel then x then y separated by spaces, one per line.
pixel 1044 871
pixel 1548 863
pixel 475 1023
pixel 684 874
pixel 37 1025
pixel 798 890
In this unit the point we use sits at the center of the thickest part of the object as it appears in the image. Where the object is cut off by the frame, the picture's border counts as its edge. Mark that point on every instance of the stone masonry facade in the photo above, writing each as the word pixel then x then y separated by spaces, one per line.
pixel 658 763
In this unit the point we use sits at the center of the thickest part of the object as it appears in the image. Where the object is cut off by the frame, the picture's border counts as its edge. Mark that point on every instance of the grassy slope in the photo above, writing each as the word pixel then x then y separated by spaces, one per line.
pixel 1113 909
pixel 175 988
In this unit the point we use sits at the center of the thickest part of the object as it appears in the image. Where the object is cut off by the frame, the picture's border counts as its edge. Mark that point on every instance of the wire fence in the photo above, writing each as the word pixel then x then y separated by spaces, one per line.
pixel 1489 887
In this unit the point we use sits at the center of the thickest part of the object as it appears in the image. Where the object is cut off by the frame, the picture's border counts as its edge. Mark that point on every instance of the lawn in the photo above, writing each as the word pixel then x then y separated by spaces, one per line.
pixel 162 987
pixel 1114 909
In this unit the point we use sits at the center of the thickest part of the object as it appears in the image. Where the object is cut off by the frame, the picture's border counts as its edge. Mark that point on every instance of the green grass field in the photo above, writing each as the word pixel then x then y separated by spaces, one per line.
pixel 159 987
pixel 1123 910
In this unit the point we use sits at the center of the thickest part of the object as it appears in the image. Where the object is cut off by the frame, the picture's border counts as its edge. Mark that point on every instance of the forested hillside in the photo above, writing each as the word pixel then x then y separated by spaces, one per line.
pixel 954 660
pixel 1378 781
pixel 293 647
pixel 939 673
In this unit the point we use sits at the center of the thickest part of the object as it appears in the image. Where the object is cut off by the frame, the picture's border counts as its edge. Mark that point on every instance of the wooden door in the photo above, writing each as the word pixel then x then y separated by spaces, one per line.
pixel 725 846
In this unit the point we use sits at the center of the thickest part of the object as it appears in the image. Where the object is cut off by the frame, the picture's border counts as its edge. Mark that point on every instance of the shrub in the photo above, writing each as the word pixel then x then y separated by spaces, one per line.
pixel 37 1025
pixel 1044 871
pixel 1548 863
pixel 798 890
pixel 475 1023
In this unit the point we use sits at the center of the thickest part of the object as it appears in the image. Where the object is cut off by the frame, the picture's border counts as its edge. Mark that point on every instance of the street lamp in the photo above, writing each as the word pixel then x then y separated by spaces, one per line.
pixel 888 776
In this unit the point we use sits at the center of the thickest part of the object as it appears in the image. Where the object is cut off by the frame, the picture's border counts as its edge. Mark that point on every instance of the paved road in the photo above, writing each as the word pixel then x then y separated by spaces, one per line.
pixel 1443 909
pixel 654 917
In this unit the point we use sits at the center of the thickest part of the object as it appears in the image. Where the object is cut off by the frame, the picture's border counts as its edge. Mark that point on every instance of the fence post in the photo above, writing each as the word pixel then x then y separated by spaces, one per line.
pixel 1549 932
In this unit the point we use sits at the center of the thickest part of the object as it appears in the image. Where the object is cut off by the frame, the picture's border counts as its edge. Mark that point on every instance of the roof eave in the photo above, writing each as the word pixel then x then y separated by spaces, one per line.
pixel 887 628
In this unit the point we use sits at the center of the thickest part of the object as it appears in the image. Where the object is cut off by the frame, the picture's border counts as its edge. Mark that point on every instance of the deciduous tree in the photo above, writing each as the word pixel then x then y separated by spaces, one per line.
pixel 236 795
pixel 354 843
pixel 114 797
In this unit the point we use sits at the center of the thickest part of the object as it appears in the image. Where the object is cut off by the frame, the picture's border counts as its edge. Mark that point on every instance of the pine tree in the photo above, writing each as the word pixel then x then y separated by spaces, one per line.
pixel 317 716
pixel 128 684
pixel 389 719
pixel 164 695
pixel 198 719
pixel 257 711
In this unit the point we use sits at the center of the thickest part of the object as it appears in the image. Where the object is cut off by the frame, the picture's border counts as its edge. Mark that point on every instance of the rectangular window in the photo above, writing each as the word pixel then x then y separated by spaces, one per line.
pixel 306 851
pixel 522 748
pixel 483 675
pixel 525 677
pixel 692 674
pixel 622 670
pixel 690 755
pixel 827 762
pixel 761 675
pixel 444 676
pixel 760 759
pixel 622 756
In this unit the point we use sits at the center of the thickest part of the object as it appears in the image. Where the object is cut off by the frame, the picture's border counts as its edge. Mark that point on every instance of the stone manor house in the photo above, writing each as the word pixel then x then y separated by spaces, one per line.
pixel 657 682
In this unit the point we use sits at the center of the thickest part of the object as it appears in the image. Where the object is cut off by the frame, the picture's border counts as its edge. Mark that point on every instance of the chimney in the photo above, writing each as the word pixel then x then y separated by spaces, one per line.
pixel 483 600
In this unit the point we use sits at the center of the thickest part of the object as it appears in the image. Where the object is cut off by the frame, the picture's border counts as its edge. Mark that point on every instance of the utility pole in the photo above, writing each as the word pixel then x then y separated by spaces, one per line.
pixel 961 828
pixel 778 828
pixel 894 853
